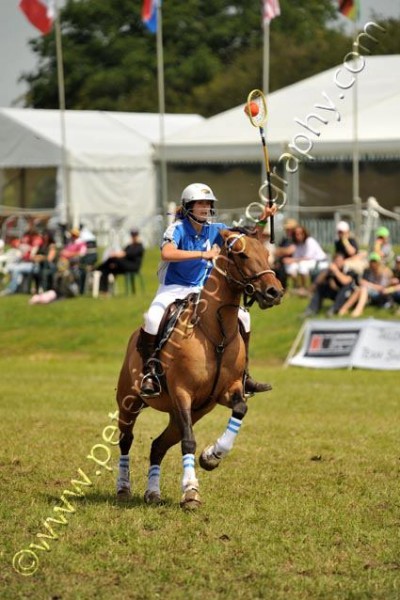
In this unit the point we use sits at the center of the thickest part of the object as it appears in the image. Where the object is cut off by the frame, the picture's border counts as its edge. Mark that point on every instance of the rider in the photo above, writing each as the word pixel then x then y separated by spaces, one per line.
pixel 188 247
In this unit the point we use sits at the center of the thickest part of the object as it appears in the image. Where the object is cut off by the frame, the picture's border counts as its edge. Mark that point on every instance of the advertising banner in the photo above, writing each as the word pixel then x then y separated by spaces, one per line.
pixel 333 344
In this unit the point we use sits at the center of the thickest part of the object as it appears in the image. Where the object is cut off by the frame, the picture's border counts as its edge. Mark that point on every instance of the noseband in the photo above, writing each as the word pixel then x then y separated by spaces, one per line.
pixel 246 282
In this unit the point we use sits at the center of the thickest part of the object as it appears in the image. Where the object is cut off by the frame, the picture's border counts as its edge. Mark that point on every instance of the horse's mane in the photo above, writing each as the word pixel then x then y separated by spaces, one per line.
pixel 245 230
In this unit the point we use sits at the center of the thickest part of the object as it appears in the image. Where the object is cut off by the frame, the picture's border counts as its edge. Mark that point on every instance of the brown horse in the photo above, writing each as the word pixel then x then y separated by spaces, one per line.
pixel 203 364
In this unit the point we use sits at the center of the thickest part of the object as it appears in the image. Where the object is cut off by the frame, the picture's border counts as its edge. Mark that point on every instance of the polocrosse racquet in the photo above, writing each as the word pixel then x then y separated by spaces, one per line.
pixel 256 109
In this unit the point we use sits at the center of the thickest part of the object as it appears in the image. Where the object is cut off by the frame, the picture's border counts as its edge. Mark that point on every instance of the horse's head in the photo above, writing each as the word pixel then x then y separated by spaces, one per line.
pixel 245 264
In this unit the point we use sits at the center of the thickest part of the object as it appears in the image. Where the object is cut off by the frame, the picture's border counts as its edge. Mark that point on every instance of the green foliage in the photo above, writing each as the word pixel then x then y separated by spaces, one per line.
pixel 305 507
pixel 212 54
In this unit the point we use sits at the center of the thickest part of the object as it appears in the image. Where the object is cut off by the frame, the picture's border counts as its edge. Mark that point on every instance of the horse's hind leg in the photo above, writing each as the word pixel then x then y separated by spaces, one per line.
pixel 213 454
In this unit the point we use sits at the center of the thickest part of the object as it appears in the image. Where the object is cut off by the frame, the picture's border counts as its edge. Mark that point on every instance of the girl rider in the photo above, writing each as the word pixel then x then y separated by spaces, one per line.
pixel 188 246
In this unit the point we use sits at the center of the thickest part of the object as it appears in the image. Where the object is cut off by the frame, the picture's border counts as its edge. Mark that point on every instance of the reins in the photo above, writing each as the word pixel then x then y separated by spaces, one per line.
pixel 246 283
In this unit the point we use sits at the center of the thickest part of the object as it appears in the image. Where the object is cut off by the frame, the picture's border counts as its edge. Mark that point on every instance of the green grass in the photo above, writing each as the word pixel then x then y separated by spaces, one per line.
pixel 307 505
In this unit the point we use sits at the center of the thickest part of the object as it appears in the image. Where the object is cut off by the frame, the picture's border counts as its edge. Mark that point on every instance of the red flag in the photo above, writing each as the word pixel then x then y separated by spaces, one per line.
pixel 40 13
pixel 271 9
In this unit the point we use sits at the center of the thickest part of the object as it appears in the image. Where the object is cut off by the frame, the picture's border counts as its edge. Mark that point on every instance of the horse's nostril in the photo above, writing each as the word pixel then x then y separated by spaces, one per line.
pixel 272 292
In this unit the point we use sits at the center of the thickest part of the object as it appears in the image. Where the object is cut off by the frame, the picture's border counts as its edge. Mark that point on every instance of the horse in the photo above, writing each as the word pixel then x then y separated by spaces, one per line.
pixel 201 364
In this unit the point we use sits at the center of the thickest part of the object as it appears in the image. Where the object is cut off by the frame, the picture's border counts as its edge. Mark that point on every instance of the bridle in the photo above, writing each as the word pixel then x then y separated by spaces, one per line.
pixel 246 282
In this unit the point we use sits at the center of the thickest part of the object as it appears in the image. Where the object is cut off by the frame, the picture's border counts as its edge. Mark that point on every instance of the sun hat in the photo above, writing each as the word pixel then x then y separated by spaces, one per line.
pixel 374 256
pixel 343 226
pixel 290 224
pixel 382 232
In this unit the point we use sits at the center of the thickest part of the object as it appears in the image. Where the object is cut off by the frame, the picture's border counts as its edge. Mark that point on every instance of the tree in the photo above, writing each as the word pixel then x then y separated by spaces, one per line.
pixel 212 53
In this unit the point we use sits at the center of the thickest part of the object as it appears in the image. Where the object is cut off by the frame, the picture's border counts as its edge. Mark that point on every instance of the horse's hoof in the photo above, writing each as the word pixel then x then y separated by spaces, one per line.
pixel 208 460
pixel 124 495
pixel 152 497
pixel 190 500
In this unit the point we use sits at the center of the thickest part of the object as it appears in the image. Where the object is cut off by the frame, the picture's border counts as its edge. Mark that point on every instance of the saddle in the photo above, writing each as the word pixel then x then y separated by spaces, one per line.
pixel 170 318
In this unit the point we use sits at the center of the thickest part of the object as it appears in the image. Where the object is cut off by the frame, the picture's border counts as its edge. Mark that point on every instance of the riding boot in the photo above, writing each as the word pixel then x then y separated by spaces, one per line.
pixel 250 385
pixel 146 346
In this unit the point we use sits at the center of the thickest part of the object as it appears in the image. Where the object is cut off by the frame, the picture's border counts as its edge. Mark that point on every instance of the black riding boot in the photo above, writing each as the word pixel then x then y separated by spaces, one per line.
pixel 146 346
pixel 251 386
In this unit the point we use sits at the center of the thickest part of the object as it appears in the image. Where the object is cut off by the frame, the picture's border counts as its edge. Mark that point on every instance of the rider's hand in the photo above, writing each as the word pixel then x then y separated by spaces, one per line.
pixel 269 211
pixel 213 253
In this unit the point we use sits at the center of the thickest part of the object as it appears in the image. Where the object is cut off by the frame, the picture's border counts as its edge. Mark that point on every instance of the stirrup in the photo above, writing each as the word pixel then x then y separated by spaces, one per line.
pixel 153 385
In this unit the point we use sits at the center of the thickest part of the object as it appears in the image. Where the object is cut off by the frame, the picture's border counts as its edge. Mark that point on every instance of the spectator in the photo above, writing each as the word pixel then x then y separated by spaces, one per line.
pixel 88 261
pixel 347 245
pixel 284 250
pixel 308 256
pixel 334 283
pixel 128 260
pixel 46 260
pixel 65 285
pixel 393 291
pixel 373 284
pixel 382 245
pixel 75 248
pixel 28 247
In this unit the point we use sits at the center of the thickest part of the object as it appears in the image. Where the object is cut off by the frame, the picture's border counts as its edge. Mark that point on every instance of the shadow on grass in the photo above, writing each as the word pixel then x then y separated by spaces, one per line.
pixel 135 501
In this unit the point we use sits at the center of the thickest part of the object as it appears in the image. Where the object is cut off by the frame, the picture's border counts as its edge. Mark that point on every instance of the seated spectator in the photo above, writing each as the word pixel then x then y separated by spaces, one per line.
pixel 308 256
pixel 75 248
pixel 46 260
pixel 334 283
pixel 373 283
pixel 128 260
pixel 65 285
pixel 347 245
pixel 88 261
pixel 382 245
pixel 28 246
pixel 284 250
pixel 393 290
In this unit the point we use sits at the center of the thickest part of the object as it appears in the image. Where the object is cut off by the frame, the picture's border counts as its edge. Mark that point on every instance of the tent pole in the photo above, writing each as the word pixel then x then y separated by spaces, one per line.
pixel 71 217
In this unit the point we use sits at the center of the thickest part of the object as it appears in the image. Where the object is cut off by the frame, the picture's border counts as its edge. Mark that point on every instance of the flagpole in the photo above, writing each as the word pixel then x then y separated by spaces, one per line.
pixel 265 75
pixel 70 218
pixel 161 108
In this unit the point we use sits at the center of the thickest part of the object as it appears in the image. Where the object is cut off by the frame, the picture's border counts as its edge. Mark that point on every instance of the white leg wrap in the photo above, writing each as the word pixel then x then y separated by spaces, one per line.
pixel 123 481
pixel 189 480
pixel 225 443
pixel 153 479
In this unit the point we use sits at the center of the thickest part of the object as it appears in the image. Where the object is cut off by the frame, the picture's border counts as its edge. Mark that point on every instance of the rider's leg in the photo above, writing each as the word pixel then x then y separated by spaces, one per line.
pixel 250 386
pixel 146 344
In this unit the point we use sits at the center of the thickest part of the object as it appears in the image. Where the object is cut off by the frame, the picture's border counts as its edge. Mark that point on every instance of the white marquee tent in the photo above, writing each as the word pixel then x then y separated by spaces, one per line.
pixel 109 155
pixel 229 136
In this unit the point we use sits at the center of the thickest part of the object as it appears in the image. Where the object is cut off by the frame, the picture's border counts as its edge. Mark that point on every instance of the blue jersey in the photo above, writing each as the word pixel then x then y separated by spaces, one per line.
pixel 183 235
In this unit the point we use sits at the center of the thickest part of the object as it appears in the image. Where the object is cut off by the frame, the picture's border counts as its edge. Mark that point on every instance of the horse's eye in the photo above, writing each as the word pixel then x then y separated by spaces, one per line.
pixel 243 255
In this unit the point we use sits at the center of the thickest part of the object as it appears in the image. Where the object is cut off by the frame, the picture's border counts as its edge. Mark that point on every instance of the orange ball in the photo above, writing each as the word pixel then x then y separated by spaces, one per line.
pixel 252 107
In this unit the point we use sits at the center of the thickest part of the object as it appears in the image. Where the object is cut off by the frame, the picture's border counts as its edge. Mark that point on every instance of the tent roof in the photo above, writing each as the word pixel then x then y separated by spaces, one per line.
pixel 230 137
pixel 94 139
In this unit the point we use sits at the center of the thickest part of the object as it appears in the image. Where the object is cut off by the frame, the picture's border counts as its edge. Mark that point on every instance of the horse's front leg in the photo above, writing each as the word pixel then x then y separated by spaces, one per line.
pixel 190 485
pixel 213 454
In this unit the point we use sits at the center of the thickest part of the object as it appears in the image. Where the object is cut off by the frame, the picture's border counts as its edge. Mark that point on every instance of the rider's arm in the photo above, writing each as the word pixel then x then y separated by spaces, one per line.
pixel 171 253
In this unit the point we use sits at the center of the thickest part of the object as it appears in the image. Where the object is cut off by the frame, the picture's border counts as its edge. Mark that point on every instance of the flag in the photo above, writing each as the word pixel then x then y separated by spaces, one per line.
pixel 349 8
pixel 40 13
pixel 149 14
pixel 271 9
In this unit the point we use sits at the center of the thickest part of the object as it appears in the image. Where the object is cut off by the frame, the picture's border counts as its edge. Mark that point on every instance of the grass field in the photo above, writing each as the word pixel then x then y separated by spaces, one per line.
pixel 306 506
